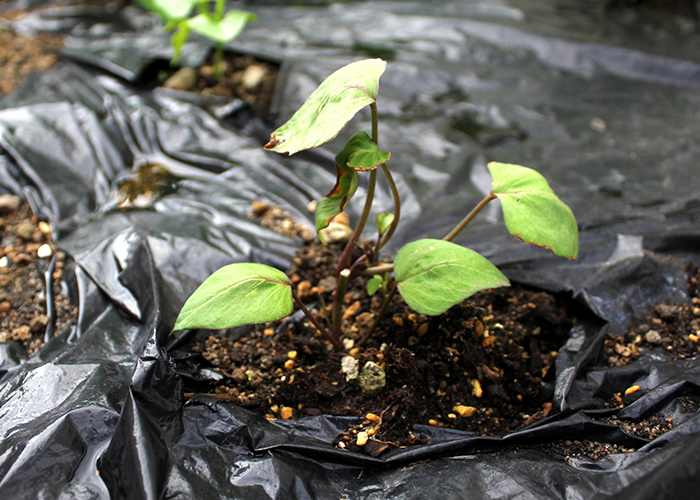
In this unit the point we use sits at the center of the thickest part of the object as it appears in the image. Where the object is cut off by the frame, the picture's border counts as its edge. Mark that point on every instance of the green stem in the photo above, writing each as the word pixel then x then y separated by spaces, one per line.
pixel 332 338
pixel 397 208
pixel 342 263
pixel 219 12
pixel 458 229
pixel 218 57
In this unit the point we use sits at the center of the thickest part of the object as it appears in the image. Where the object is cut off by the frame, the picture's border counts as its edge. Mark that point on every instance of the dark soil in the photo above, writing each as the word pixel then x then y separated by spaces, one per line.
pixel 477 368
pixel 24 316
pixel 244 77
pixel 669 330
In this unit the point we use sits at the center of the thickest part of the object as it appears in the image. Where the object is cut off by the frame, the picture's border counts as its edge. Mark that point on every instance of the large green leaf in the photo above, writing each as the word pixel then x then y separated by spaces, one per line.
pixel 532 212
pixel 434 275
pixel 221 31
pixel 329 107
pixel 237 294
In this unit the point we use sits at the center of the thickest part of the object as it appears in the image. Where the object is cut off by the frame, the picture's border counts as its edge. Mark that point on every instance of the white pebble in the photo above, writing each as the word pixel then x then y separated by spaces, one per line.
pixel 44 251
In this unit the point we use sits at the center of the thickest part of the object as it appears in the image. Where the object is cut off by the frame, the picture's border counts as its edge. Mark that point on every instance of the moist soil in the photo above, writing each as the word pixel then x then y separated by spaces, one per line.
pixel 26 254
pixel 479 367
pixel 668 331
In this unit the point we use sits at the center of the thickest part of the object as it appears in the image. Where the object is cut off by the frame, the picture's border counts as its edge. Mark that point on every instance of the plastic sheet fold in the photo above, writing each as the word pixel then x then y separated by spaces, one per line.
pixel 99 412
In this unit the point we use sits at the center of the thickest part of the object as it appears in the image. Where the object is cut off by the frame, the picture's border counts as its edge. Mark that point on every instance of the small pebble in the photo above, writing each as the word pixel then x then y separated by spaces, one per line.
pixel 22 333
pixel 5 306
pixel 423 329
pixel 653 337
pixel 464 411
pixel 372 417
pixel 9 202
pixel 286 412
pixel 289 364
pixel 432 421
pixel 693 337
pixel 44 251
pixel 631 390
pixel 476 388
pixel 182 79
pixel 292 354
pixel 488 341
pixel 362 438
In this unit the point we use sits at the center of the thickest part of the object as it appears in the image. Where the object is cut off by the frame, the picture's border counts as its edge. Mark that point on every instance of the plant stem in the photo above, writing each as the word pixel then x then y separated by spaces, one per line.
pixel 381 269
pixel 342 263
pixel 397 208
pixel 378 318
pixel 218 58
pixel 332 338
pixel 458 229
pixel 340 289
pixel 219 12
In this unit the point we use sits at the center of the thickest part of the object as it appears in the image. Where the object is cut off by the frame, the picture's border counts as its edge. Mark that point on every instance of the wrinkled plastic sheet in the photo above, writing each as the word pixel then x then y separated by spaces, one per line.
pixel 98 412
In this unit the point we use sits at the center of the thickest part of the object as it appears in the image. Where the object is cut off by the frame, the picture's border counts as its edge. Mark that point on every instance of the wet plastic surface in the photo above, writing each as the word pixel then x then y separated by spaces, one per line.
pixel 612 124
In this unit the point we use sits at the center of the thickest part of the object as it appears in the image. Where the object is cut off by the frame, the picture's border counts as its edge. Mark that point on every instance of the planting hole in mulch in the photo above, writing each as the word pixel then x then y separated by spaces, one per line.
pixel 479 367
pixel 243 76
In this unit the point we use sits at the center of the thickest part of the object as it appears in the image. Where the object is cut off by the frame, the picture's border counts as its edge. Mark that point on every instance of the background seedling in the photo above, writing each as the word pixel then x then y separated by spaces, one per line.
pixel 431 275
pixel 214 23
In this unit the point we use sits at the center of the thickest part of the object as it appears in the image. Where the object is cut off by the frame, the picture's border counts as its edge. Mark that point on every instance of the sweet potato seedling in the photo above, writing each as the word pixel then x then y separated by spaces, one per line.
pixel 212 22
pixel 431 275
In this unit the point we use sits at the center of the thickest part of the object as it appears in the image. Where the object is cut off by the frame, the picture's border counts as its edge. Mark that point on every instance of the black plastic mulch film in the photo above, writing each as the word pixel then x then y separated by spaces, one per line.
pixel 608 117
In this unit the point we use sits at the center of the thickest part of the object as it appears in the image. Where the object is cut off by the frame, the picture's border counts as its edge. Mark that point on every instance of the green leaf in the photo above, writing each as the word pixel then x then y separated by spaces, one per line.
pixel 374 284
pixel 221 31
pixel 384 221
pixel 363 153
pixel 434 275
pixel 237 294
pixel 329 107
pixel 532 212
pixel 360 151
pixel 168 10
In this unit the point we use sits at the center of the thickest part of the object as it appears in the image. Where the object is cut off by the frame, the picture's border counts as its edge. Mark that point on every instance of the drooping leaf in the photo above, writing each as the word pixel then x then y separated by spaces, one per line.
pixel 222 31
pixel 360 151
pixel 364 154
pixel 532 212
pixel 329 107
pixel 434 275
pixel 384 221
pixel 237 294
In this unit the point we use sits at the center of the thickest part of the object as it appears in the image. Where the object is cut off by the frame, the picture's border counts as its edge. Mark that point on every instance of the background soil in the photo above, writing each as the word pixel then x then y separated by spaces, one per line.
pixel 33 302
